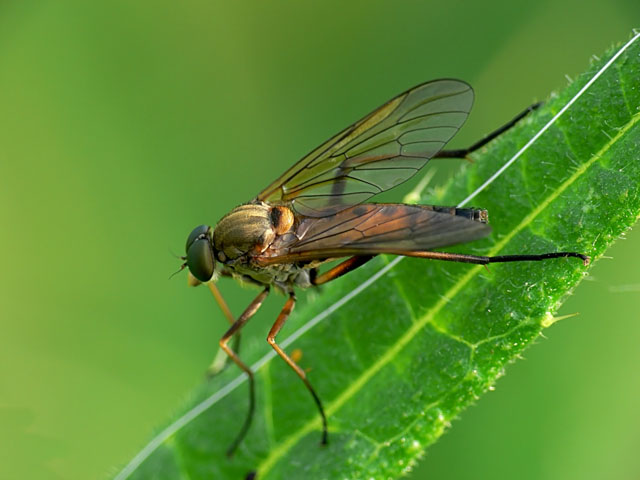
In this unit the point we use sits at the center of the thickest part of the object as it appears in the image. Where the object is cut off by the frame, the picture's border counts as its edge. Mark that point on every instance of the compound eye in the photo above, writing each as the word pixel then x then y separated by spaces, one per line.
pixel 200 259
pixel 195 233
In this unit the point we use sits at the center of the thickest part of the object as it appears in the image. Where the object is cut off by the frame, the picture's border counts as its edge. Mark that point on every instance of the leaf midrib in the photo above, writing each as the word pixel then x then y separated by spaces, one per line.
pixel 279 452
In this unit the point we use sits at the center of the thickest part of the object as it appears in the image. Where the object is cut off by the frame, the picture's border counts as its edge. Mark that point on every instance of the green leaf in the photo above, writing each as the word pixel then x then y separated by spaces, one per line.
pixel 397 363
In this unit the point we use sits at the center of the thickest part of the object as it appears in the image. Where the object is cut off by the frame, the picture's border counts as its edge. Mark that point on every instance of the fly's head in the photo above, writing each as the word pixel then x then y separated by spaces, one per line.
pixel 200 256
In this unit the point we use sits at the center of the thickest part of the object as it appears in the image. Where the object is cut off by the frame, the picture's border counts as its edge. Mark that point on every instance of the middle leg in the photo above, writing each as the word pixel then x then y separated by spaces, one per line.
pixel 271 338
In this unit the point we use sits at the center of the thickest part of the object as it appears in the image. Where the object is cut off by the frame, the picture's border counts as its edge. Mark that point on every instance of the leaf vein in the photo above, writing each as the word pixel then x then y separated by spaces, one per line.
pixel 623 89
pixel 401 293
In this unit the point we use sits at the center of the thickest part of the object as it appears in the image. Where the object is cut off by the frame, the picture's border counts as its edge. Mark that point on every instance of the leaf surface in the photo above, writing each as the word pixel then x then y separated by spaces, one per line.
pixel 397 363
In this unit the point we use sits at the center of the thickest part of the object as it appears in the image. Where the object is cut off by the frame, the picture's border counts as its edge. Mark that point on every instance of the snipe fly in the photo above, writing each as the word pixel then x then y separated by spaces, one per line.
pixel 315 212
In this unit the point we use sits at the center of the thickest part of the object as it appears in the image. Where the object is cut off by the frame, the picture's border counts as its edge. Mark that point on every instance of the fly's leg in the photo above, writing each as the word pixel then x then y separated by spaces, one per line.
pixel 331 274
pixel 465 152
pixel 341 269
pixel 271 338
pixel 236 327
pixel 221 302
pixel 221 359
pixel 480 260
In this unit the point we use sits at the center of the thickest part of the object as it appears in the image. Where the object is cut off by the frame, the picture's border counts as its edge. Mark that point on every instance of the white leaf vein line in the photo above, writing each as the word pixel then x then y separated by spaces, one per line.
pixel 194 412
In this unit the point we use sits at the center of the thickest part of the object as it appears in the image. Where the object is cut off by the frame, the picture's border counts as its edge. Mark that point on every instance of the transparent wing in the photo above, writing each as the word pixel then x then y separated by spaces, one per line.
pixel 377 228
pixel 377 153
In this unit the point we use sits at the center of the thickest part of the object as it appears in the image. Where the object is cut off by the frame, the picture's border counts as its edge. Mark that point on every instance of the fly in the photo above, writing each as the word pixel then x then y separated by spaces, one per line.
pixel 315 212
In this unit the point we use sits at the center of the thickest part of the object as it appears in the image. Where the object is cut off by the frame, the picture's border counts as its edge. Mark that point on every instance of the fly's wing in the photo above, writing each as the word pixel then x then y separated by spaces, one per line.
pixel 382 150
pixel 376 228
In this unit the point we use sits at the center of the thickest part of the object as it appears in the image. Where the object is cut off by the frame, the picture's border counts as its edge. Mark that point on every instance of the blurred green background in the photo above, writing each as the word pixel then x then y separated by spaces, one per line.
pixel 125 124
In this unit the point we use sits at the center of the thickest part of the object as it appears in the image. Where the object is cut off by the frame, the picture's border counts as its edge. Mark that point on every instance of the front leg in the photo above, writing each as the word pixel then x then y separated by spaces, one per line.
pixel 221 359
pixel 235 328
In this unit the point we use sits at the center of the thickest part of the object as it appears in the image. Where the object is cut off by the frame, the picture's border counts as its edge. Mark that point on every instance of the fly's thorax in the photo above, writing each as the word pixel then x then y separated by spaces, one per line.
pixel 249 230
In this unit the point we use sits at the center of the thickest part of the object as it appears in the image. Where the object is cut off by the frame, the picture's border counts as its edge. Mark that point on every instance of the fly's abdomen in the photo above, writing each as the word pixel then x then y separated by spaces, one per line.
pixel 476 214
